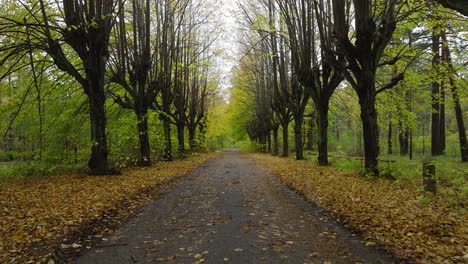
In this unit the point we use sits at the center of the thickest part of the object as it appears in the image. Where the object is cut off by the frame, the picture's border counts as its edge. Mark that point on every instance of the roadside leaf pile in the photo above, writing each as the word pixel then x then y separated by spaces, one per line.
pixel 394 215
pixel 42 213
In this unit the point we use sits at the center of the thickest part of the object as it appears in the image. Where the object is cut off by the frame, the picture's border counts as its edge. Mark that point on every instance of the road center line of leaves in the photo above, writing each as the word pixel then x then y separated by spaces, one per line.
pixel 39 218
pixel 387 213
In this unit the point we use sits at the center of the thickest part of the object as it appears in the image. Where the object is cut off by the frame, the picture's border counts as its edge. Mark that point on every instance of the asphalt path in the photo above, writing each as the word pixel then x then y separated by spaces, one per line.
pixel 231 210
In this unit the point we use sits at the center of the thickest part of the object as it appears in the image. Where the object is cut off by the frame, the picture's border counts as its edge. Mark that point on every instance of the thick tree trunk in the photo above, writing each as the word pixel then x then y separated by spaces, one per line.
pixel 285 140
pixel 181 137
pixel 192 141
pixel 95 70
pixel 322 141
pixel 98 162
pixel 275 150
pixel 299 146
pixel 145 149
pixel 310 134
pixel 370 130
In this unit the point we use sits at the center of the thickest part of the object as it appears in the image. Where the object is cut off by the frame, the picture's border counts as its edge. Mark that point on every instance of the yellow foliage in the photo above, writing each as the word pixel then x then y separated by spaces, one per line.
pixel 388 213
pixel 47 210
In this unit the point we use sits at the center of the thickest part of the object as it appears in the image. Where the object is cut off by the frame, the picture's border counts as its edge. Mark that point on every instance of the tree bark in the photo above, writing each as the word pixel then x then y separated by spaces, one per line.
pixel 460 123
pixel 322 141
pixel 275 150
pixel 167 138
pixel 310 134
pixel 299 146
pixel 442 133
pixel 192 141
pixel 98 162
pixel 456 99
pixel 370 129
pixel 145 149
pixel 436 144
pixel 268 142
pixel 285 140
pixel 181 137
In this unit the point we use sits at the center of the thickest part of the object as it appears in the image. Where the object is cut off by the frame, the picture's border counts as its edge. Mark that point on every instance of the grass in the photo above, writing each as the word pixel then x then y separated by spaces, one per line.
pixel 20 170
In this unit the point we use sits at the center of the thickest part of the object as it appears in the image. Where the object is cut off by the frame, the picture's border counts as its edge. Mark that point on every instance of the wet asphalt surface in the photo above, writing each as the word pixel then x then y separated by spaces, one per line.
pixel 230 210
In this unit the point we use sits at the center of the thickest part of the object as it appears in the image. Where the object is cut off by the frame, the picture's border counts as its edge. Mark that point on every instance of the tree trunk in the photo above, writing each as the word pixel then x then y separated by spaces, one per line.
pixel 456 99
pixel 269 142
pixel 403 138
pixel 411 144
pixel 322 141
pixel 389 138
pixel 98 162
pixel 201 143
pixel 181 137
pixel 370 129
pixel 435 122
pixel 442 120
pixel 192 141
pixel 167 137
pixel 299 146
pixel 285 140
pixel 310 134
pixel 275 150
pixel 145 149
pixel 460 124
pixel 261 143
pixel 436 149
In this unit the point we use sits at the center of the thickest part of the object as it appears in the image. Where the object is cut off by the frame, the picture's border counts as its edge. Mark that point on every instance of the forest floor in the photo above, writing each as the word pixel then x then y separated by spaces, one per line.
pixel 232 210
pixel 55 217
pixel 394 214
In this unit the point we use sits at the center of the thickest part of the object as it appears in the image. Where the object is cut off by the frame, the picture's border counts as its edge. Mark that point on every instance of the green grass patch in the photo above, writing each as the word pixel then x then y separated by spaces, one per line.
pixel 18 170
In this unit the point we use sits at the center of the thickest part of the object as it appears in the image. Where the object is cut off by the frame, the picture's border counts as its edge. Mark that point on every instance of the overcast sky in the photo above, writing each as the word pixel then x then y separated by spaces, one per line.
pixel 225 16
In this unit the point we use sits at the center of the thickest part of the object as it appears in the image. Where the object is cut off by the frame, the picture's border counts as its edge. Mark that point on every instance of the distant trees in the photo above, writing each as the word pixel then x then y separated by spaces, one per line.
pixel 371 45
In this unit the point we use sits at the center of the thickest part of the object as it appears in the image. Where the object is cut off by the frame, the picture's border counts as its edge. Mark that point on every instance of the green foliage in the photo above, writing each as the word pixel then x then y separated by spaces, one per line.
pixel 21 169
